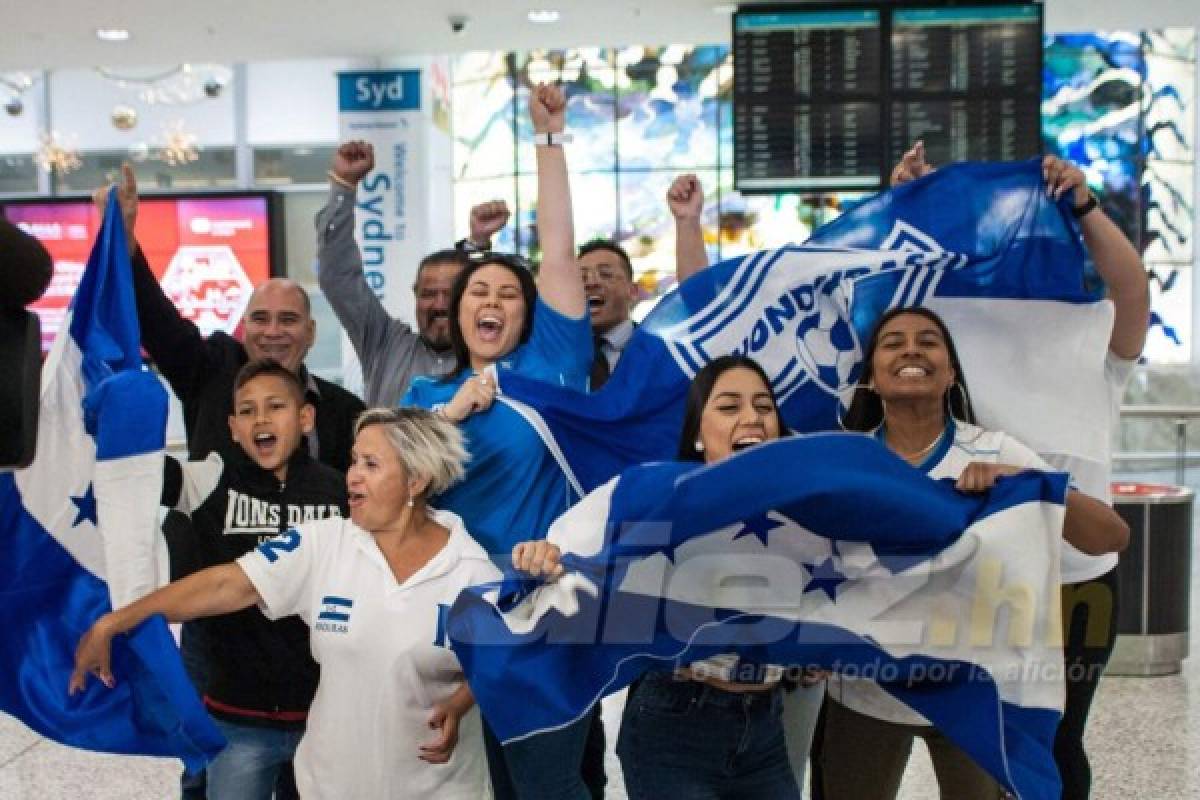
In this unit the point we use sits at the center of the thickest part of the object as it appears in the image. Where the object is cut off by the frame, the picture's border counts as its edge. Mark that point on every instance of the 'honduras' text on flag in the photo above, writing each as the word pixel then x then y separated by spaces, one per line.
pixel 846 559
pixel 981 244
pixel 79 531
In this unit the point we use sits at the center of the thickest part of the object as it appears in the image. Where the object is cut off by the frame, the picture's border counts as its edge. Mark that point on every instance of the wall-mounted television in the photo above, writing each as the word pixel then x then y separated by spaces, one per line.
pixel 209 251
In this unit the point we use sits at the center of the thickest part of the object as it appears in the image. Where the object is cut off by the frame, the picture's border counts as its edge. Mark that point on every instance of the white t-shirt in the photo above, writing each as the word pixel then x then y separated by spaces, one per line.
pixel 970 443
pixel 382 669
pixel 1094 478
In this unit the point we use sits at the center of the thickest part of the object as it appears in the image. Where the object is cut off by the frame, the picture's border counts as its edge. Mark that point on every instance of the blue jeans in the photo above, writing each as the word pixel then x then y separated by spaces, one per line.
pixel 249 765
pixel 542 767
pixel 689 741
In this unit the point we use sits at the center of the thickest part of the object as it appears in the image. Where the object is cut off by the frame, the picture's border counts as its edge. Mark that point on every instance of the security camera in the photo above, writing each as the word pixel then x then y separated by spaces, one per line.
pixel 458 22
pixel 212 88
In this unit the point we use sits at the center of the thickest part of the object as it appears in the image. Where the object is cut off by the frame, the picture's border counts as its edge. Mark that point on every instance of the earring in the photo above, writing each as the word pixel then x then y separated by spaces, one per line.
pixel 410 502
pixel 965 402
pixel 699 446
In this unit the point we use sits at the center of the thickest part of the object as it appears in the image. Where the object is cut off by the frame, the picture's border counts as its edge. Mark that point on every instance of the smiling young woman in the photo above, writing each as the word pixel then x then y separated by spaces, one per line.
pixel 913 397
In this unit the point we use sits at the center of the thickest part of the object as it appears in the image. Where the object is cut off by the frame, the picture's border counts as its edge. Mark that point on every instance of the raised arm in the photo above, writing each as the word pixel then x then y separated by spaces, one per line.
pixel 217 590
pixel 339 261
pixel 685 198
pixel 174 342
pixel 1114 256
pixel 559 281
pixel 912 165
pixel 486 219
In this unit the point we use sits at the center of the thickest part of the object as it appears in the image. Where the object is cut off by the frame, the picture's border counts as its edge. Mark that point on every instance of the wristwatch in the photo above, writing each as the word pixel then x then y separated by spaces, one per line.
pixel 468 246
pixel 548 139
pixel 1089 205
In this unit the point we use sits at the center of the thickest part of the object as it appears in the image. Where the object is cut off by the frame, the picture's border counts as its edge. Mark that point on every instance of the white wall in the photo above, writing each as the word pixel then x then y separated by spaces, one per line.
pixel 20 134
pixel 81 102
pixel 294 102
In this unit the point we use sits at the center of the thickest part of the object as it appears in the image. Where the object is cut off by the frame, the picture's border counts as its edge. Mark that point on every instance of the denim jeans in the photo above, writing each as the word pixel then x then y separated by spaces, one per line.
pixel 690 741
pixel 249 765
pixel 547 766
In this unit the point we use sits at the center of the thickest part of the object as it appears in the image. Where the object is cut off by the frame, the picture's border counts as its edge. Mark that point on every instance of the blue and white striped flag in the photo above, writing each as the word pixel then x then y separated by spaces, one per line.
pixel 79 534
pixel 821 551
pixel 981 244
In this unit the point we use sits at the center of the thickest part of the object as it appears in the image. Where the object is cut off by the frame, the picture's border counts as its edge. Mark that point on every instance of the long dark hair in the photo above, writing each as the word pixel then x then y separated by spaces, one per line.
pixel 514 264
pixel 697 399
pixel 866 407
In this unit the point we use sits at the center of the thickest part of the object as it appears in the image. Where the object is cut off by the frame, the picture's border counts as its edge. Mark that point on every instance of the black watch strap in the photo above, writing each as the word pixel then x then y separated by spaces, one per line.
pixel 467 246
pixel 1090 205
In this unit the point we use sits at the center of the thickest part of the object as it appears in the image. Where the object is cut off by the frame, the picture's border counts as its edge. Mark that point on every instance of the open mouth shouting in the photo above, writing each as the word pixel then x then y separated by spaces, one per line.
pixel 489 325
pixel 266 444
pixel 748 440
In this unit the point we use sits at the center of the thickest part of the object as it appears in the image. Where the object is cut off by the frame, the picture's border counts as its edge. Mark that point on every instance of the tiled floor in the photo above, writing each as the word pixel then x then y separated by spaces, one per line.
pixel 1144 738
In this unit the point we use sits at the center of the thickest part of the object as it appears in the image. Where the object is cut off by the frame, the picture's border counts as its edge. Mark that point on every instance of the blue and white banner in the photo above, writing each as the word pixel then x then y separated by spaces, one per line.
pixel 394 223
pixel 981 244
pixel 79 532
pixel 819 551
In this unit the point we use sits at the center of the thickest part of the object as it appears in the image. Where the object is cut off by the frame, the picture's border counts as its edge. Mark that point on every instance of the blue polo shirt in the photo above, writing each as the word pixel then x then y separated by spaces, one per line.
pixel 514 488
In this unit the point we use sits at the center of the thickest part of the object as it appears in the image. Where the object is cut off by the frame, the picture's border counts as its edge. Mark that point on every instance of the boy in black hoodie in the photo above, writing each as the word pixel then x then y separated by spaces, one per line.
pixel 261 675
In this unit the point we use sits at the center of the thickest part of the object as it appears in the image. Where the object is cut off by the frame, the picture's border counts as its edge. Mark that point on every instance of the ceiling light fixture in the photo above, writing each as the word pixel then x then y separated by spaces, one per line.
pixel 112 34
pixel 543 16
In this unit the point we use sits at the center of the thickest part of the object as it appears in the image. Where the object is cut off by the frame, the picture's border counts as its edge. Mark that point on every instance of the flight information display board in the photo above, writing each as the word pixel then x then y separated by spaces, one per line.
pixel 828 97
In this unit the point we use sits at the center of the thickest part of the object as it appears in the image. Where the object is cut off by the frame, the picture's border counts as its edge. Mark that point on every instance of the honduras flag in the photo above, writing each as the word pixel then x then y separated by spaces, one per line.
pixel 981 244
pixel 79 531
pixel 846 559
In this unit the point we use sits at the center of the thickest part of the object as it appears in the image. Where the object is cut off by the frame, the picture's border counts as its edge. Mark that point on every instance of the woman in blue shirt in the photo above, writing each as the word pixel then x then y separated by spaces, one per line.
pixel 514 487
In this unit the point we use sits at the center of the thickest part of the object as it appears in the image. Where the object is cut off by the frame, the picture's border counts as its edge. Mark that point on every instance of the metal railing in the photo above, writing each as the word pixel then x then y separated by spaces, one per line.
pixel 1180 415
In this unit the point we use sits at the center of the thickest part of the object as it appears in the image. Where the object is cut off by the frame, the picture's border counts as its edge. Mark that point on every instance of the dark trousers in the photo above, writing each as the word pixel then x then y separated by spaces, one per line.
pixel 566 764
pixel 864 759
pixel 1089 612
pixel 685 740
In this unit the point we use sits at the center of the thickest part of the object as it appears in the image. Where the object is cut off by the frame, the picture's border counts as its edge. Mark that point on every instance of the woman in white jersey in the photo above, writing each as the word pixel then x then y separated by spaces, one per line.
pixel 913 397
pixel 392 716
pixel 1089 592
pixel 714 728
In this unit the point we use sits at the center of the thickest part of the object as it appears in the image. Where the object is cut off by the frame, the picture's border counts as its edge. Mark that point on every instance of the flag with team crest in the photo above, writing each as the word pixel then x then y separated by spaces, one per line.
pixel 822 551
pixel 981 244
pixel 79 529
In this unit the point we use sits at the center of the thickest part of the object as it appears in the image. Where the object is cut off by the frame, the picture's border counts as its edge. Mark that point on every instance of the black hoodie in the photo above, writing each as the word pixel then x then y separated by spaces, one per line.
pixel 260 672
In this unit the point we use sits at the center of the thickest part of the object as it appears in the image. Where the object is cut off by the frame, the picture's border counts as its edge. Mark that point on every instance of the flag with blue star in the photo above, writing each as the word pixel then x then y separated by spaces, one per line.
pixel 822 551
pixel 80 535
pixel 86 506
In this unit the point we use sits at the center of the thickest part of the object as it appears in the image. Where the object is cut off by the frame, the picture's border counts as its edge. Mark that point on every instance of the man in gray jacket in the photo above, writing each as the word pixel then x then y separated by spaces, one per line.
pixel 390 352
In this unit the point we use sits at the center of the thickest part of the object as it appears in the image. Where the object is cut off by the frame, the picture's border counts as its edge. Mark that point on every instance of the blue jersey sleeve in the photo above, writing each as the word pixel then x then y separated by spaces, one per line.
pixel 559 349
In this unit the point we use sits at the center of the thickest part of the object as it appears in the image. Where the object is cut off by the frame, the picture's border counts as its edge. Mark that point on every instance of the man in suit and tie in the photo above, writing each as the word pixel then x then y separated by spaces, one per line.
pixel 608 275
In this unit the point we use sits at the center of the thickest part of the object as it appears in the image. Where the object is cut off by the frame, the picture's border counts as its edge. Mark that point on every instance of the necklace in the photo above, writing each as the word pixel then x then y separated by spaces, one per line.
pixel 923 450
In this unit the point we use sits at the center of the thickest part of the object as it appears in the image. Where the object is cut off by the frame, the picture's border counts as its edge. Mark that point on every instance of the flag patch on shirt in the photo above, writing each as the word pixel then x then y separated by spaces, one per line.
pixel 335 614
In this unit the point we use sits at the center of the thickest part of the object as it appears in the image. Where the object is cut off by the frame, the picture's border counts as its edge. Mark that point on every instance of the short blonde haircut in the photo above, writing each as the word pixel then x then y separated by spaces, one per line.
pixel 427 445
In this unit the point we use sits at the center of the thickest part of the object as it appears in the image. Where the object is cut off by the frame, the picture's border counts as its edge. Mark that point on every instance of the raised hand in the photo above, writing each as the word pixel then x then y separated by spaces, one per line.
pixel 127 202
pixel 912 165
pixel 353 160
pixel 1062 177
pixel 685 197
pixel 486 219
pixel 548 108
